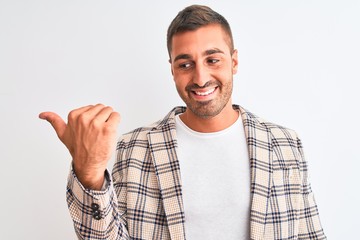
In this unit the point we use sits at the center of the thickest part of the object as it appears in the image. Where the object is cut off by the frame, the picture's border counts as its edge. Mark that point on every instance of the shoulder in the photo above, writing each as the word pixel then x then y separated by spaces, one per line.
pixel 162 125
pixel 277 131
pixel 283 142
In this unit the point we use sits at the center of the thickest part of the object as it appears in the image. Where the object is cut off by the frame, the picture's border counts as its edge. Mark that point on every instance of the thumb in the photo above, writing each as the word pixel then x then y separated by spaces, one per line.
pixel 56 122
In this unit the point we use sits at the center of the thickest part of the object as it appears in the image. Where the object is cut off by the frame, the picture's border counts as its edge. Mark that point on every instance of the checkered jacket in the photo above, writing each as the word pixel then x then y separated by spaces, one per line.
pixel 143 200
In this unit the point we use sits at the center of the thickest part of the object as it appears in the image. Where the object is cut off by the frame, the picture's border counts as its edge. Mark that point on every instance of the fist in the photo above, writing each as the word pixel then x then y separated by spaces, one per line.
pixel 90 136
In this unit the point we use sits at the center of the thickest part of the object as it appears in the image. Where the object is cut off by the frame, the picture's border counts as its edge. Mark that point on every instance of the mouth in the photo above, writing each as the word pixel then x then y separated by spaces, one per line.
pixel 204 94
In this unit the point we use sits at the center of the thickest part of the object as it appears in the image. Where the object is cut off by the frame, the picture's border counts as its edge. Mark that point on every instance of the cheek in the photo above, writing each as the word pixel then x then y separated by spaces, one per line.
pixel 181 79
pixel 178 82
pixel 180 88
pixel 180 85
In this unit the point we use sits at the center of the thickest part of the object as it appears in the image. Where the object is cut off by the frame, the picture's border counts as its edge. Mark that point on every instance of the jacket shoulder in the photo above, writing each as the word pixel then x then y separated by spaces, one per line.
pixel 279 131
pixel 276 130
pixel 164 124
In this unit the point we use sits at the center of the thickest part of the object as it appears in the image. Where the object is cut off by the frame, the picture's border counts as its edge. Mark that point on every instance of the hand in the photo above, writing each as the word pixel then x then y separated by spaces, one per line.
pixel 90 136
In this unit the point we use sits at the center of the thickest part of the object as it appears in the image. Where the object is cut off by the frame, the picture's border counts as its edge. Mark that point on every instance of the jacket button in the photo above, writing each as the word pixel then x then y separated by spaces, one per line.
pixel 94 206
pixel 96 214
pixel 95 211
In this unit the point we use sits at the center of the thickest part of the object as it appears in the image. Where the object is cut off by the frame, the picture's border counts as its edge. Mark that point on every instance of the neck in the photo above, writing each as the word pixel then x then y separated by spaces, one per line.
pixel 223 120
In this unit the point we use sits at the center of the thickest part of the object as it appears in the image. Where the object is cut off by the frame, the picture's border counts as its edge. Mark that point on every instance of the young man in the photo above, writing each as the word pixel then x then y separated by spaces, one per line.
pixel 211 170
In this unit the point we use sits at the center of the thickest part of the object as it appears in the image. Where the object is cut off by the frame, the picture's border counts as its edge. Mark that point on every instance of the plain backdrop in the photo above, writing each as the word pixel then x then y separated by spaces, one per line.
pixel 298 66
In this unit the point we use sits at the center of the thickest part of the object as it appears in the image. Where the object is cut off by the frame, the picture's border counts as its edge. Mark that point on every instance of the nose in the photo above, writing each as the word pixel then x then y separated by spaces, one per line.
pixel 201 75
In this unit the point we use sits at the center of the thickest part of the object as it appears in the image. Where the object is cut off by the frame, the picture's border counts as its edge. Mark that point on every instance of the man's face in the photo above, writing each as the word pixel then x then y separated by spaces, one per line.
pixel 203 66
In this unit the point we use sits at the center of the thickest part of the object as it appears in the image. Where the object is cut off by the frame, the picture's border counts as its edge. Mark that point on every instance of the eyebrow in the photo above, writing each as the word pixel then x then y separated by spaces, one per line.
pixel 182 56
pixel 212 51
pixel 206 53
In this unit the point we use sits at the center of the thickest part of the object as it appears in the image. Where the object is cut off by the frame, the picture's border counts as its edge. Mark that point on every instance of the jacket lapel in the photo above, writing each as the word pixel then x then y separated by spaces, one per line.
pixel 260 153
pixel 162 141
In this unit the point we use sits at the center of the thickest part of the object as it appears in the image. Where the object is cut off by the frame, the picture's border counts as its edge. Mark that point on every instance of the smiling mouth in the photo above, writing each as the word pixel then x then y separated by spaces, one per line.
pixel 206 93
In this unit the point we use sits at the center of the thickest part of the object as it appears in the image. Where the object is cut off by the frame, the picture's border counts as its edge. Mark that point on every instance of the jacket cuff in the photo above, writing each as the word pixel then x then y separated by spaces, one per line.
pixel 92 202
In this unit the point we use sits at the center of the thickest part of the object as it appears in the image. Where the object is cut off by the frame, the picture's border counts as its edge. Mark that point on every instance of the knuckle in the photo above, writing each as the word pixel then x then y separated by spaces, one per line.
pixel 108 129
pixel 82 118
pixel 109 108
pixel 96 123
pixel 117 115
pixel 72 115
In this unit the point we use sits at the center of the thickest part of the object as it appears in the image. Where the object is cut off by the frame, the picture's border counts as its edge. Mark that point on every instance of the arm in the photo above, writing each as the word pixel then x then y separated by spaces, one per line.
pixel 90 136
pixel 309 225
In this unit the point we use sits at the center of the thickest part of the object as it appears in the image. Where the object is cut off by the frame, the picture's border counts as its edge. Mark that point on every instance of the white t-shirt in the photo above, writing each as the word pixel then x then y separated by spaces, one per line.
pixel 215 173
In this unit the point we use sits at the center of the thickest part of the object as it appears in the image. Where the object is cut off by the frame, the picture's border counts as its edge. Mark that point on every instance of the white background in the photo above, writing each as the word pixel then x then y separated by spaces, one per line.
pixel 299 67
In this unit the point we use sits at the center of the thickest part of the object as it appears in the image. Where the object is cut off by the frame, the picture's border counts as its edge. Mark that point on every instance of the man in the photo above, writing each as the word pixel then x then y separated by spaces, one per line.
pixel 211 170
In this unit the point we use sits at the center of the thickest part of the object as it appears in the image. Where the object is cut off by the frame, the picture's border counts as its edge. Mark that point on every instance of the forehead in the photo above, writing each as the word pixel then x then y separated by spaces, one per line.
pixel 199 40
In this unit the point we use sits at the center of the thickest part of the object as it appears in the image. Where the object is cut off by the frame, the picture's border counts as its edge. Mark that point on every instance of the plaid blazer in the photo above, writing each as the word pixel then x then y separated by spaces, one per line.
pixel 143 200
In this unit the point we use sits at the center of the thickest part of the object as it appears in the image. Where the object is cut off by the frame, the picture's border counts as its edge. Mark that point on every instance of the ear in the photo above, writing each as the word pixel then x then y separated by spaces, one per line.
pixel 235 61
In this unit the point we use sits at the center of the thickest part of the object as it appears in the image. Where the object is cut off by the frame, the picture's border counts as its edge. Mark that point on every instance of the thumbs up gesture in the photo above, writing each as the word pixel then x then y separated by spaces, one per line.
pixel 90 137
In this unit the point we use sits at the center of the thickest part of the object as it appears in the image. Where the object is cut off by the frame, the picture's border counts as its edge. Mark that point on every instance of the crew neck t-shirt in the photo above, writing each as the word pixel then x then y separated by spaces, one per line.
pixel 215 174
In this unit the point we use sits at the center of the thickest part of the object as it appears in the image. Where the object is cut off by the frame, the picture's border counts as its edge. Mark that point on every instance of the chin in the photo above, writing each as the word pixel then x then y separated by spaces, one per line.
pixel 204 111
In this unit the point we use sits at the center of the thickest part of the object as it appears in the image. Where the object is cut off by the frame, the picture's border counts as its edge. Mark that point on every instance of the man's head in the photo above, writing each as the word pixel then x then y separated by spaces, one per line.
pixel 203 62
pixel 194 17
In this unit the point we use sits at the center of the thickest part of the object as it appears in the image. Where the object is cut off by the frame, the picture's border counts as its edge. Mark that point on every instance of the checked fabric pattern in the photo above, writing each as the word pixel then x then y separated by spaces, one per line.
pixel 144 198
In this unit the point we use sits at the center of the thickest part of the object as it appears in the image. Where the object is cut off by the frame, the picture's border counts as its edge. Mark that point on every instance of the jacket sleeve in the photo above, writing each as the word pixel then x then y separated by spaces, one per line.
pixel 95 214
pixel 309 220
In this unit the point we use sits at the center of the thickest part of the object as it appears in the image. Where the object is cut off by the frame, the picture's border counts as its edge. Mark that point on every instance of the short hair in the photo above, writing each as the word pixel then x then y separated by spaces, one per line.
pixel 193 17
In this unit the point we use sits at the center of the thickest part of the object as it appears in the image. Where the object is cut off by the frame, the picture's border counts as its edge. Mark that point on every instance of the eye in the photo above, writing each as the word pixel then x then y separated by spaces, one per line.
pixel 212 61
pixel 185 65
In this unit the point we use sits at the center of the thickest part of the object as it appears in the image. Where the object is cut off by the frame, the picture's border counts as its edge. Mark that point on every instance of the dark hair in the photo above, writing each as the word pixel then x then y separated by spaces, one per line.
pixel 194 17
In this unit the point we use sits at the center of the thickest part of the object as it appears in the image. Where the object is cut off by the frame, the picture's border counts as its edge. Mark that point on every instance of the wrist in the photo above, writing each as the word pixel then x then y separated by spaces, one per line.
pixel 91 178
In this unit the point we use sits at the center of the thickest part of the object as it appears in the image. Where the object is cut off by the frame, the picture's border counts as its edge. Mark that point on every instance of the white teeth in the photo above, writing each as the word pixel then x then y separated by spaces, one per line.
pixel 205 93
